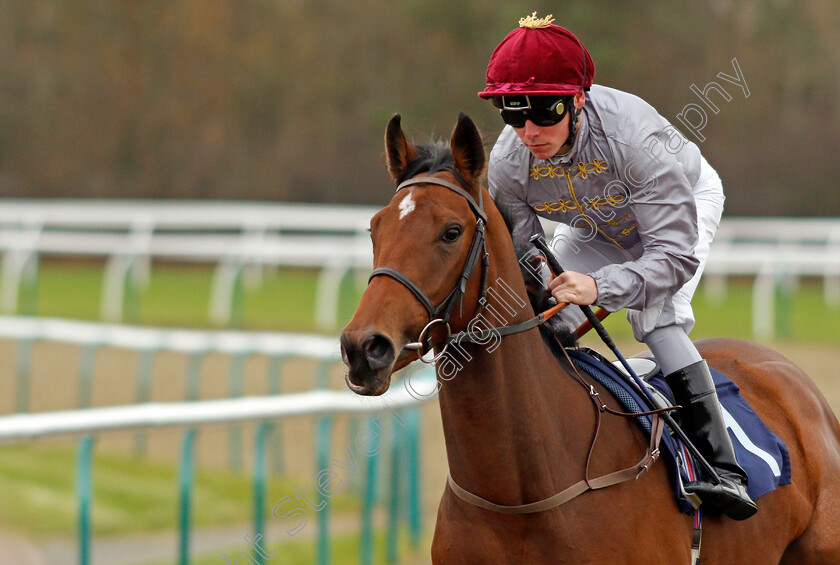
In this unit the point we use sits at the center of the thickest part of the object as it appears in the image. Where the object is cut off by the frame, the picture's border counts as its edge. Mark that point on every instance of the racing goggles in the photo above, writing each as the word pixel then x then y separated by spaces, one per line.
pixel 541 110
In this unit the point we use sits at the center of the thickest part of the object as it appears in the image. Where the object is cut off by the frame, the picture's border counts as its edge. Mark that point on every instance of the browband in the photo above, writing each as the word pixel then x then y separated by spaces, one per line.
pixel 478 208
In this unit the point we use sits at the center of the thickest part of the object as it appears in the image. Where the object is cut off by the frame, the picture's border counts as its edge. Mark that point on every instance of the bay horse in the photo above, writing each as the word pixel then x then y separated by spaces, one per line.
pixel 518 425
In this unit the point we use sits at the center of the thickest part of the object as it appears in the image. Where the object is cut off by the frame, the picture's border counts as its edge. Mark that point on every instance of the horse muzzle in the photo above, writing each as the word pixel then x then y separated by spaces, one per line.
pixel 370 360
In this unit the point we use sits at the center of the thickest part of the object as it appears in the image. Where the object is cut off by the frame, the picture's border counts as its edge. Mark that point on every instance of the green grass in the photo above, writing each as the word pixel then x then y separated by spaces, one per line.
pixel 66 290
pixel 802 317
pixel 38 490
pixel 178 296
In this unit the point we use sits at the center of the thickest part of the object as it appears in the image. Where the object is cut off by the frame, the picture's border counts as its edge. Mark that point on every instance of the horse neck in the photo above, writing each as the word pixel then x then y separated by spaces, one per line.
pixel 507 436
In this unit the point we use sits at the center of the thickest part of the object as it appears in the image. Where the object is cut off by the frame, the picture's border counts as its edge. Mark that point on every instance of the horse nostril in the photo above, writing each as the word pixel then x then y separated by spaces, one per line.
pixel 378 350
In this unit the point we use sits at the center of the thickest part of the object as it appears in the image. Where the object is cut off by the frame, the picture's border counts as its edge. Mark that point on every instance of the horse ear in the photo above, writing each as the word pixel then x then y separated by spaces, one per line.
pixel 398 150
pixel 467 148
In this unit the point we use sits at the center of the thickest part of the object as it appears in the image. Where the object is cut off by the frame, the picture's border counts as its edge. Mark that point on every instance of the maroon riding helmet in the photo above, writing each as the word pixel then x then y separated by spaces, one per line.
pixel 538 59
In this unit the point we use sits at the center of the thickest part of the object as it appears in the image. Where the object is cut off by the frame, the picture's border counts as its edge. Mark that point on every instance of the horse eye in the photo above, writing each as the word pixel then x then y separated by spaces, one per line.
pixel 451 234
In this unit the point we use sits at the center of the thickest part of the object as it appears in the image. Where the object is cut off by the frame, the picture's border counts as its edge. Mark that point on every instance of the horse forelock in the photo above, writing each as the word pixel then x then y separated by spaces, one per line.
pixel 433 157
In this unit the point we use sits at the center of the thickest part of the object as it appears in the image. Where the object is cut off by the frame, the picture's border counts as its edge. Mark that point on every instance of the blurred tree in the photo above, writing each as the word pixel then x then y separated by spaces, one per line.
pixel 288 99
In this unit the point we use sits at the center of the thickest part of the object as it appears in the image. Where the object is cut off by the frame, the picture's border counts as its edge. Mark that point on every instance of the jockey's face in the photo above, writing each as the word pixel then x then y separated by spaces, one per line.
pixel 547 141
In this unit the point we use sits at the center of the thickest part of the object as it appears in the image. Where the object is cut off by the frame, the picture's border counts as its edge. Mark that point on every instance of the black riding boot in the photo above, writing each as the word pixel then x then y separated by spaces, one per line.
pixel 703 423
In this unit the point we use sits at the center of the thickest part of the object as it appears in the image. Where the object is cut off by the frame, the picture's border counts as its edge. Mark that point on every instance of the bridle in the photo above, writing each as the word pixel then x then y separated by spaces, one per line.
pixel 441 313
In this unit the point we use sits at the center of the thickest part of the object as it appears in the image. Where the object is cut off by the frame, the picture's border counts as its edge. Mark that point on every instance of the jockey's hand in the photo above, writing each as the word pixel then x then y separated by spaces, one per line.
pixel 575 288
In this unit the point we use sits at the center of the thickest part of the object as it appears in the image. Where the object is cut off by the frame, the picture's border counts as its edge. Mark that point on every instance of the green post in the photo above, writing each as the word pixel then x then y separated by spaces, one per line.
pixel 145 369
pixel 87 364
pixel 23 368
pixel 236 386
pixel 185 489
pixel 393 535
pixel 368 502
pixel 323 448
pixel 237 305
pixel 412 432
pixel 259 487
pixel 194 374
pixel 355 481
pixel 322 376
pixel 275 386
pixel 84 492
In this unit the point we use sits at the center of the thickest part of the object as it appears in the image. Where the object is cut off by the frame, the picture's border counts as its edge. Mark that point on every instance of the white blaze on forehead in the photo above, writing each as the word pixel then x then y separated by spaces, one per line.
pixel 406 206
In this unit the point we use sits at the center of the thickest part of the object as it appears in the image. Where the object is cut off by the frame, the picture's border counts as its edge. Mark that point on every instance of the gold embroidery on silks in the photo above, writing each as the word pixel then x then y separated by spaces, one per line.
pixel 611 199
pixel 583 210
pixel 582 170
pixel 585 169
pixel 588 204
pixel 627 231
pixel 559 206
pixel 548 171
pixel 614 223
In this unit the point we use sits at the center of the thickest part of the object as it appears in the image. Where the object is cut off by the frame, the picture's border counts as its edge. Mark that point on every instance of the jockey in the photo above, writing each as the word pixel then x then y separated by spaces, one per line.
pixel 637 206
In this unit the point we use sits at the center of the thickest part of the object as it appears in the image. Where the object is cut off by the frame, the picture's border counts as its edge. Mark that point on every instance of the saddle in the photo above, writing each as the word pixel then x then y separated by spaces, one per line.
pixel 760 452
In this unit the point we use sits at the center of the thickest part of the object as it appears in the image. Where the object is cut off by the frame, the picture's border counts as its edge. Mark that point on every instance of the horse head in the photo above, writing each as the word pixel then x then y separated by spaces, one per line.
pixel 426 244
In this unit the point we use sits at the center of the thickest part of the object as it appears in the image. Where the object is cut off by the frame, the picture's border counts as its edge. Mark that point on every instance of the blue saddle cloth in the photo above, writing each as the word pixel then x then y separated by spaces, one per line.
pixel 758 450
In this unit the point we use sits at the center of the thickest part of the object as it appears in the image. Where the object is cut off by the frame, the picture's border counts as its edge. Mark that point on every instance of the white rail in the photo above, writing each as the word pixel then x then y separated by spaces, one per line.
pixel 417 386
pixel 236 235
pixel 776 252
pixel 202 342
pixel 231 235
pixel 115 214
pixel 175 340
pixel 25 427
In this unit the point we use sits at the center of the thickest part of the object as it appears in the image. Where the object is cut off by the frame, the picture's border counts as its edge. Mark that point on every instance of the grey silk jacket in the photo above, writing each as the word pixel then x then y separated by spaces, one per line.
pixel 628 179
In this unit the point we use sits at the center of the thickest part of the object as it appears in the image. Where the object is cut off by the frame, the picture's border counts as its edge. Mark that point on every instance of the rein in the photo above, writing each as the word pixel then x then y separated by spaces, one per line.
pixel 440 314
